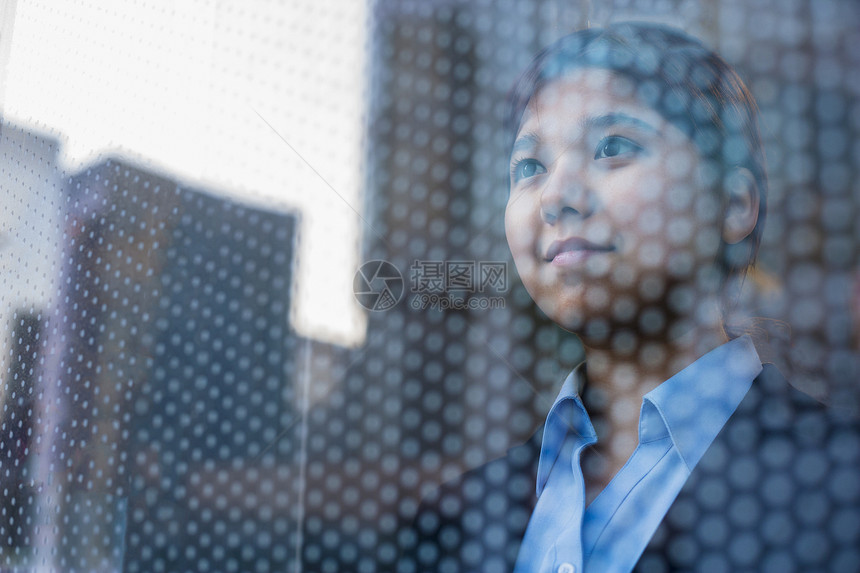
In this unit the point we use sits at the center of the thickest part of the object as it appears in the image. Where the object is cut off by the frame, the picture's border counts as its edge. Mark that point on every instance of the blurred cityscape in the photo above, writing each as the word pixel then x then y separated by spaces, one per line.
pixel 160 412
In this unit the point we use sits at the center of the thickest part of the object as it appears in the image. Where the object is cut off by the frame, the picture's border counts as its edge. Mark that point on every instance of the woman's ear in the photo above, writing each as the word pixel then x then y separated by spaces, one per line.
pixel 743 204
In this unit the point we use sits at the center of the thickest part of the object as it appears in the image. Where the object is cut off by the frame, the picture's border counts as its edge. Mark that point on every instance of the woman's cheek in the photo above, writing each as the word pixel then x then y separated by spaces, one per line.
pixel 519 230
pixel 625 194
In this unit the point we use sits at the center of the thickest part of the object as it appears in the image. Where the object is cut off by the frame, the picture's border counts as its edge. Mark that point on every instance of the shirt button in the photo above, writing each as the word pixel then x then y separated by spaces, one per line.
pixel 566 568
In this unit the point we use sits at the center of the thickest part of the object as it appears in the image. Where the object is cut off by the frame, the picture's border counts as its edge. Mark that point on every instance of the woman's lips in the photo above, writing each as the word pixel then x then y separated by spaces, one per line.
pixel 574 250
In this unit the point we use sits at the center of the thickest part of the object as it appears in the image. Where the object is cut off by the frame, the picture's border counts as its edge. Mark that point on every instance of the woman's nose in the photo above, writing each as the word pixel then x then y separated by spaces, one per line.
pixel 566 193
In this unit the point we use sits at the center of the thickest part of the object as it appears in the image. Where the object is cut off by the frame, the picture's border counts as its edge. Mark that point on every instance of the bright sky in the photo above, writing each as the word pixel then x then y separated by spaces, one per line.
pixel 260 100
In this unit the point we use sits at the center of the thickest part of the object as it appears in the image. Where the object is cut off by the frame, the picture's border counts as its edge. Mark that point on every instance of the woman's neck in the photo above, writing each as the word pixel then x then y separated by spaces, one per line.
pixel 616 381
pixel 620 372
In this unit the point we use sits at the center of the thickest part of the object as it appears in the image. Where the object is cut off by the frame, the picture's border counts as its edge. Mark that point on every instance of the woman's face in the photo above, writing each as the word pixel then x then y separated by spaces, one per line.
pixel 608 220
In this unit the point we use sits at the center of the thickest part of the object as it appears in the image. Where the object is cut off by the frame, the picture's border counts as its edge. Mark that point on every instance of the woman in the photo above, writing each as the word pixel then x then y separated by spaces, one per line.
pixel 637 199
pixel 637 193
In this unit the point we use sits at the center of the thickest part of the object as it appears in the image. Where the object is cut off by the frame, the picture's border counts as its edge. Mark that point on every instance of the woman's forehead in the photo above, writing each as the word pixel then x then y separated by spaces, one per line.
pixel 582 96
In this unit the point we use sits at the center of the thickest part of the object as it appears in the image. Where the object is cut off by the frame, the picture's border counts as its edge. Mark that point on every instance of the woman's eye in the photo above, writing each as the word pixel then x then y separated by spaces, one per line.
pixel 526 168
pixel 614 146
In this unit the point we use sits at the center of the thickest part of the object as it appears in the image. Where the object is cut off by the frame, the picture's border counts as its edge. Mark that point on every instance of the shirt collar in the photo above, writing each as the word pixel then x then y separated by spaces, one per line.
pixel 691 407
pixel 694 404
pixel 566 415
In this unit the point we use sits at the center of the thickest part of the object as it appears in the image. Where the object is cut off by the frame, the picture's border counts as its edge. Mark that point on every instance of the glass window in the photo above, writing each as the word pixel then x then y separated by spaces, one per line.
pixel 276 290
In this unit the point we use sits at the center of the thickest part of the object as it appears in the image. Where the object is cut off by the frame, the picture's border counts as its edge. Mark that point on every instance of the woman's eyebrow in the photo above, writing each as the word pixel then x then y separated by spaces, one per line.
pixel 530 139
pixel 525 141
pixel 618 118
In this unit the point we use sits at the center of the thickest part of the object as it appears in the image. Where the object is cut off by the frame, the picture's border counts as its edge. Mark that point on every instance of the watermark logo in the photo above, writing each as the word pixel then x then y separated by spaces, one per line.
pixel 438 277
pixel 453 302
pixel 377 285
pixel 458 285
pixel 438 285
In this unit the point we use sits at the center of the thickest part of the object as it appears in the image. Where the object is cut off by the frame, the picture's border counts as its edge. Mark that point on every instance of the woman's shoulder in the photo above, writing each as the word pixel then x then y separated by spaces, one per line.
pixel 480 515
pixel 774 404
pixel 784 466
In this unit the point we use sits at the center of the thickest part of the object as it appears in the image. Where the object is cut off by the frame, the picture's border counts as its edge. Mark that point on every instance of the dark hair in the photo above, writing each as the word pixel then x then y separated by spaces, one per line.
pixel 688 84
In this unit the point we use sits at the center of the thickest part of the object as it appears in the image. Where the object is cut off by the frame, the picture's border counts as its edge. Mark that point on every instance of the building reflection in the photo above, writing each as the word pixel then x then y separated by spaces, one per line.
pixel 158 412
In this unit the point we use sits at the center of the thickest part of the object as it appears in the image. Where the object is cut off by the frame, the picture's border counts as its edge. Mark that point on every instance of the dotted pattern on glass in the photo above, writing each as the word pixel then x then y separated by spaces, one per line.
pixel 189 383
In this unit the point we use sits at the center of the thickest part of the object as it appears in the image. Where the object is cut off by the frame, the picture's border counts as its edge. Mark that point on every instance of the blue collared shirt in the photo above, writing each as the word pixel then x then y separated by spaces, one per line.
pixel 677 422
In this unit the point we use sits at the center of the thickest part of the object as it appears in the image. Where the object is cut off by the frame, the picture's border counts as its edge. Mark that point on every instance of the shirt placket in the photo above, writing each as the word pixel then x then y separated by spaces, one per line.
pixel 568 554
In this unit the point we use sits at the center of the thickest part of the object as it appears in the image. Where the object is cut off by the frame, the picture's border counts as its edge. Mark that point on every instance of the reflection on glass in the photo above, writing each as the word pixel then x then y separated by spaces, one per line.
pixel 192 379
